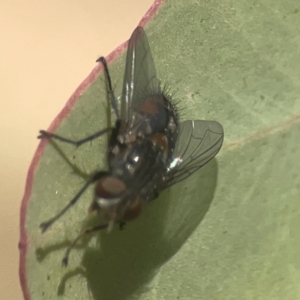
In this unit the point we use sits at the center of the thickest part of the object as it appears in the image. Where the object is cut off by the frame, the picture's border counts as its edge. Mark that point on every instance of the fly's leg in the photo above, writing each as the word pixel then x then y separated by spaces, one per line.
pixel 45 225
pixel 65 259
pixel 110 91
pixel 113 101
pixel 46 134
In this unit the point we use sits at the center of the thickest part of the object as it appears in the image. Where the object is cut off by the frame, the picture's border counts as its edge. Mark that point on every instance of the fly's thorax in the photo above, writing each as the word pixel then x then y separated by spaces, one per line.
pixel 162 117
pixel 125 159
pixel 154 112
pixel 161 141
pixel 115 201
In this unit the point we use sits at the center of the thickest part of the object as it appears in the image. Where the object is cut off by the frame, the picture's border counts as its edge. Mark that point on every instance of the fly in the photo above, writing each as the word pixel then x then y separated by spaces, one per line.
pixel 148 150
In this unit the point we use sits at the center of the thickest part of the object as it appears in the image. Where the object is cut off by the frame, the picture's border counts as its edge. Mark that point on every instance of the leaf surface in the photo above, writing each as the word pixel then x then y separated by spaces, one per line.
pixel 230 231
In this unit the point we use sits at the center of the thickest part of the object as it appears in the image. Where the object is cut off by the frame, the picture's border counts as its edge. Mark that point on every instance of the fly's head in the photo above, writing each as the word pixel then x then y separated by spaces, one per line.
pixel 115 201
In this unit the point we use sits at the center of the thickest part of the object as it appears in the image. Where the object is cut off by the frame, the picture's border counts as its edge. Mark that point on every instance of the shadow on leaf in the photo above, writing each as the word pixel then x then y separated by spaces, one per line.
pixel 126 261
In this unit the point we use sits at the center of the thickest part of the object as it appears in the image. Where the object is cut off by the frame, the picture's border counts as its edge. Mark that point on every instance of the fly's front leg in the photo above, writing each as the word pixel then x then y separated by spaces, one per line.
pixel 46 134
pixel 65 259
pixel 45 225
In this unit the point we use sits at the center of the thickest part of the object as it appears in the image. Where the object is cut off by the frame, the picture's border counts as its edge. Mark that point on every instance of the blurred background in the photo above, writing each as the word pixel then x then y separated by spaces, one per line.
pixel 47 49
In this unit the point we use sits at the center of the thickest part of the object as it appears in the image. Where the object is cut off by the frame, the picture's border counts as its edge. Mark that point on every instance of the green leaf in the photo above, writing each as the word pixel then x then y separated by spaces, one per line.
pixel 230 231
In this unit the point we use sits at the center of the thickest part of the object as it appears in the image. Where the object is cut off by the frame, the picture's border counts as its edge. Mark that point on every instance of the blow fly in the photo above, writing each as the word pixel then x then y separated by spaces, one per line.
pixel 148 149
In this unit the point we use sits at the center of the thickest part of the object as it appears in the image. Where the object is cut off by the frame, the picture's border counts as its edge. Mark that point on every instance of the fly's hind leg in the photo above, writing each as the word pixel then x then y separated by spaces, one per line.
pixel 110 91
pixel 45 134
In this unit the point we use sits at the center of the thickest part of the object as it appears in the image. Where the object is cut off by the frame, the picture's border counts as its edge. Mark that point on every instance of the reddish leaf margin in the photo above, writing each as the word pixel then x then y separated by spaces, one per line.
pixel 23 243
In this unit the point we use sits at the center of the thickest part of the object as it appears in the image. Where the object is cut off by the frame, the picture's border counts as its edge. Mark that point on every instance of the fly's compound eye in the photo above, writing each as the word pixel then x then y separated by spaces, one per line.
pixel 109 188
pixel 109 200
pixel 108 196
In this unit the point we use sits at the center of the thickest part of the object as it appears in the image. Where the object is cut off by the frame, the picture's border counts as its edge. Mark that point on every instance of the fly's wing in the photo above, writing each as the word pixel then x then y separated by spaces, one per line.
pixel 140 75
pixel 198 142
